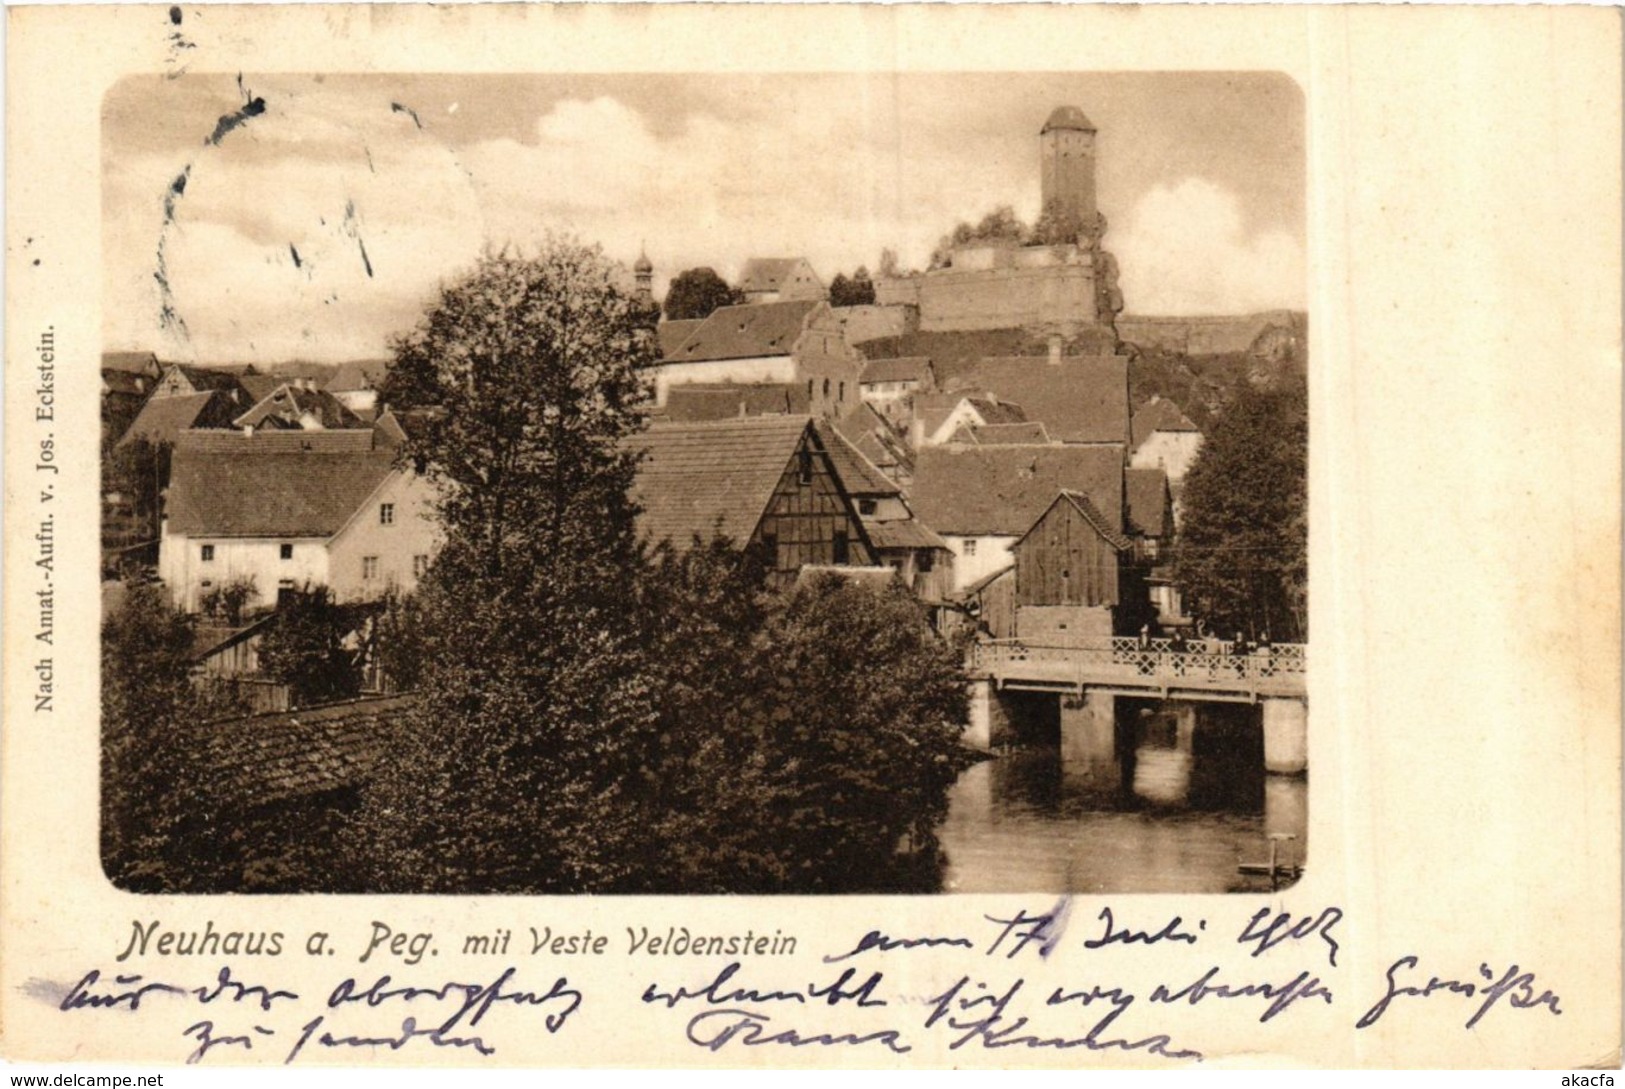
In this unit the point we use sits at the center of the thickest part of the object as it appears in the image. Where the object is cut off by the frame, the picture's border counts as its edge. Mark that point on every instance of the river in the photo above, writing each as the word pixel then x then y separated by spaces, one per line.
pixel 1180 822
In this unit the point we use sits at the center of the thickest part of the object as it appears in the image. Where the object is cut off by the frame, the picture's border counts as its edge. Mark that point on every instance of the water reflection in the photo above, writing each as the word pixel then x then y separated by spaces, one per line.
pixel 1191 804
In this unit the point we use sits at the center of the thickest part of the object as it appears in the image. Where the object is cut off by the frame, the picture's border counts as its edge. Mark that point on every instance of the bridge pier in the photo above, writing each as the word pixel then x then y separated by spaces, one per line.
pixel 1089 739
pixel 1286 736
pixel 984 704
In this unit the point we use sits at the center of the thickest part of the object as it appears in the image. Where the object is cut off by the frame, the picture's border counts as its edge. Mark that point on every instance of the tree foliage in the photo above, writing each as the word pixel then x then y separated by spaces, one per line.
pixel 156 829
pixel 858 291
pixel 529 713
pixel 1242 555
pixel 1000 225
pixel 696 292
pixel 315 647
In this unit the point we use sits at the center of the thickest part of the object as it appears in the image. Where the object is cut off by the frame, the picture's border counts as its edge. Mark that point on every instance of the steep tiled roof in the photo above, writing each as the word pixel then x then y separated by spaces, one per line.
pixel 672 334
pixel 285 406
pixel 974 490
pixel 914 368
pixel 203 378
pixel 260 386
pixel 951 350
pixel 998 411
pixel 1159 414
pixel 700 478
pixel 767 273
pixel 692 403
pixel 131 362
pixel 1009 434
pixel 358 374
pixel 255 492
pixel 858 474
pixel 1148 501
pixel 162 419
pixel 270 758
pixel 1079 399
pixel 746 331
pixel 1067 117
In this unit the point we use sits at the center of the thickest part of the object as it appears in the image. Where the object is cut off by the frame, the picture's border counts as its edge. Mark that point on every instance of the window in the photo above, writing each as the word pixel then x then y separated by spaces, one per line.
pixel 281 585
pixel 770 550
pixel 826 389
pixel 420 566
pixel 207 584
pixel 208 553
pixel 287 551
pixel 842 397
pixel 925 560
pixel 970 547
pixel 369 568
pixel 386 514
pixel 841 547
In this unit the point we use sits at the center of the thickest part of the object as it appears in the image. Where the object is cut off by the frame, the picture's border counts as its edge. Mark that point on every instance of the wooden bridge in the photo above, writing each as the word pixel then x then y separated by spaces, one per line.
pixel 1208 669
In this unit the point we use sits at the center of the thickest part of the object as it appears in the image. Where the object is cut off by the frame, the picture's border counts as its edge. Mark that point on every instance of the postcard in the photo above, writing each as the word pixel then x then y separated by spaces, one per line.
pixel 832 536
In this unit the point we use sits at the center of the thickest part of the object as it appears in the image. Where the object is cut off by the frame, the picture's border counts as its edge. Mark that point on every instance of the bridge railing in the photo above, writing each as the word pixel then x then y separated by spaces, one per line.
pixel 1159 659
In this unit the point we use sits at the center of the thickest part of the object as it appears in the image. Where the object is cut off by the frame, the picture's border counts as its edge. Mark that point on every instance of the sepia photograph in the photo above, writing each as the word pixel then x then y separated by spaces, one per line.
pixel 744 484
pixel 765 536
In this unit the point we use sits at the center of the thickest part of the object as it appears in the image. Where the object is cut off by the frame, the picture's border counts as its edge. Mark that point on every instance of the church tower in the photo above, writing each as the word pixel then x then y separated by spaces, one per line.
pixel 644 273
pixel 1067 154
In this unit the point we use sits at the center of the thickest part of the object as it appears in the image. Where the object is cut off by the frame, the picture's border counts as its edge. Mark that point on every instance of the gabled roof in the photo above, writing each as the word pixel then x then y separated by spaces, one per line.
pixel 1001 490
pixel 672 334
pixel 1160 414
pixel 859 475
pixel 1079 399
pixel 768 273
pixel 700 478
pixel 286 405
pixel 913 368
pixel 131 362
pixel 226 440
pixel 270 758
pixel 260 386
pixel 1081 503
pixel 987 580
pixel 261 491
pixel 746 331
pixel 696 402
pixel 951 350
pixel 998 411
pixel 162 419
pixel 207 378
pixel 1149 501
pixel 357 374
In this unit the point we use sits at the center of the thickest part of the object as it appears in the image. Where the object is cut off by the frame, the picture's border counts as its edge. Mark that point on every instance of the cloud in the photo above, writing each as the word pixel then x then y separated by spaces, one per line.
pixel 1184 251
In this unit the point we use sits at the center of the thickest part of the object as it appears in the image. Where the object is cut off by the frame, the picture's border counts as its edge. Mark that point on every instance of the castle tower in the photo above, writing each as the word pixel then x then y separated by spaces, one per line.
pixel 1066 146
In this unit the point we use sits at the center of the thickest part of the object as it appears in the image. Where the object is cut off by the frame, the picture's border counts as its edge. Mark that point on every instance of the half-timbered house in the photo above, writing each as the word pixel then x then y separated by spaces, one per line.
pixel 765 483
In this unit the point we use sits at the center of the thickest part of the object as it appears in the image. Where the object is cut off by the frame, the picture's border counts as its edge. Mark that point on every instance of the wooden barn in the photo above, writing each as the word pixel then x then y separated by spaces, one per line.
pixel 1075 576
pixel 766 483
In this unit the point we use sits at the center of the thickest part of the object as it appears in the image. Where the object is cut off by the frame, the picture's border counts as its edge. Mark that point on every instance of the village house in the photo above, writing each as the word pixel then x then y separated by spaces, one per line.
pixel 700 403
pixel 879 440
pixel 983 499
pixel 902 542
pixel 749 343
pixel 1002 434
pixel 163 418
pixel 885 383
pixel 287 510
pixel 765 483
pixel 940 417
pixel 779 279
pixel 356 383
pixel 290 407
pixel 1164 438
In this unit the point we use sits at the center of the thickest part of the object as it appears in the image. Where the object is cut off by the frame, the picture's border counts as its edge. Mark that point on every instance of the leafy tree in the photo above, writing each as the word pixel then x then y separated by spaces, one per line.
pixel 1242 555
pixel 858 291
pixel 156 832
pixel 1000 225
pixel 532 719
pixel 1056 226
pixel 314 647
pixel 228 601
pixel 141 467
pixel 695 293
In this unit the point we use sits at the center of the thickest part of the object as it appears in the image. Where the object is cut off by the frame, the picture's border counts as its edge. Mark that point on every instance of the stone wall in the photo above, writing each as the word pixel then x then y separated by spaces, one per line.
pixel 1210 335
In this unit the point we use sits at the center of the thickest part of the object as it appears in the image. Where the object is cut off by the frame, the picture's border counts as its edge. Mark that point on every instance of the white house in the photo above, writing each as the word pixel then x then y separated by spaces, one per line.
pixel 283 510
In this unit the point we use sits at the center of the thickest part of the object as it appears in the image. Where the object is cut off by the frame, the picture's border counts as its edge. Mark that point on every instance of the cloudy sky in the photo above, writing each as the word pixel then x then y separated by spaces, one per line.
pixel 321 225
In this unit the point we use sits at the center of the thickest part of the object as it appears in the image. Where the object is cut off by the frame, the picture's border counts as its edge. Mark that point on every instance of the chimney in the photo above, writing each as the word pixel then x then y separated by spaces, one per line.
pixel 1055 349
